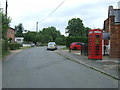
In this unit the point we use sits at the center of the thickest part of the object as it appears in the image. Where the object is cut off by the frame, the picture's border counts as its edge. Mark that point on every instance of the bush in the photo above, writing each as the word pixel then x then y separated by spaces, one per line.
pixel 72 39
pixel 4 46
pixel 14 46
pixel 59 41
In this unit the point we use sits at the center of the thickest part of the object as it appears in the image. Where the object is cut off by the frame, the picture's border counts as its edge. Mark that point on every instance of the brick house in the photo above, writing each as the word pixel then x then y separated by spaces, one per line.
pixel 11 34
pixel 112 26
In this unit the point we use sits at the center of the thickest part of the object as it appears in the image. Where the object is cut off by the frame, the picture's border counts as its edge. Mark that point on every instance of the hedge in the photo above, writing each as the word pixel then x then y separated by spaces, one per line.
pixel 72 39
pixel 4 46
pixel 60 41
pixel 14 46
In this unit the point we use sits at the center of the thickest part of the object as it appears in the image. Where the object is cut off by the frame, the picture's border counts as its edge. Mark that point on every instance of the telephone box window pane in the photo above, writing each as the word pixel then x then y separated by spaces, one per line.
pixel 97 32
pixel 97 41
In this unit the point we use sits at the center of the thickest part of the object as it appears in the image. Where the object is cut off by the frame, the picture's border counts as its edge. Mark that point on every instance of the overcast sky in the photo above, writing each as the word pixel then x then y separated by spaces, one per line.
pixel 28 12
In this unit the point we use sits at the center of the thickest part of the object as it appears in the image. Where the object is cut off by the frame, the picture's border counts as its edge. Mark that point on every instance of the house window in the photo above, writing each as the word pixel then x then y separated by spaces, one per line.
pixel 10 32
pixel 18 39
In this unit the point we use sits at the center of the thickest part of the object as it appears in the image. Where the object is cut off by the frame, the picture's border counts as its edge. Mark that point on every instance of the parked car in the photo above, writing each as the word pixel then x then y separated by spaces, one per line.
pixel 51 46
pixel 32 44
pixel 76 45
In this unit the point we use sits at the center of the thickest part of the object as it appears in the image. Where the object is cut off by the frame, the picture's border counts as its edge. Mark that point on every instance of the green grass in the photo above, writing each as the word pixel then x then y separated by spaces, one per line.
pixel 66 48
pixel 4 54
pixel 22 48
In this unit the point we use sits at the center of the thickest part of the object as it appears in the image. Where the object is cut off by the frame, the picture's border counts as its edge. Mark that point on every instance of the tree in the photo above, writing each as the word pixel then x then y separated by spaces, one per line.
pixel 46 39
pixel 86 31
pixel 29 37
pixel 52 32
pixel 75 27
pixel 44 36
pixel 5 25
pixel 19 30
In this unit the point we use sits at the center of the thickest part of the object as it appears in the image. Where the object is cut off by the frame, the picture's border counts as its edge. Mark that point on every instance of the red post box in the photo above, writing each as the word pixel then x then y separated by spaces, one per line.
pixel 95 44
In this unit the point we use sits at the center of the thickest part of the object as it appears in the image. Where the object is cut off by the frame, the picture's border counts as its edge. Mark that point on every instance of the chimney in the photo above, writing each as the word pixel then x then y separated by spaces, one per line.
pixel 36 26
pixel 110 12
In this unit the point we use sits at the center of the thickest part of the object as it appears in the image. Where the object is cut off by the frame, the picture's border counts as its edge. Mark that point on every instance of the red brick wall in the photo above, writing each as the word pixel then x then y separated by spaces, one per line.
pixel 11 34
pixel 114 29
pixel 115 42
pixel 106 27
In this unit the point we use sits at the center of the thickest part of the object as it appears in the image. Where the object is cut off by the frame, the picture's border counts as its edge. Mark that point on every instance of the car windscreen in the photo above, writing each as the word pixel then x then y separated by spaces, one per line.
pixel 51 43
pixel 78 44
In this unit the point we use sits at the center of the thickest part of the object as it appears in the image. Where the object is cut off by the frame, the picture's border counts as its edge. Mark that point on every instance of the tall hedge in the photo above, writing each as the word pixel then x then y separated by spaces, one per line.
pixel 14 46
pixel 72 39
pixel 60 41
pixel 4 46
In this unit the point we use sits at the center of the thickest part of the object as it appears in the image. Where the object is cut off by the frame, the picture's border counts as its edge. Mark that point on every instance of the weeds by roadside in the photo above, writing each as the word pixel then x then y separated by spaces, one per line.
pixel 5 54
pixel 65 48
pixel 23 48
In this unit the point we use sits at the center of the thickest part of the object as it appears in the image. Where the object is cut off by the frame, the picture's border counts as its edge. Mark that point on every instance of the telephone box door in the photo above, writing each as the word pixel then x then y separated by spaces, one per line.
pixel 95 44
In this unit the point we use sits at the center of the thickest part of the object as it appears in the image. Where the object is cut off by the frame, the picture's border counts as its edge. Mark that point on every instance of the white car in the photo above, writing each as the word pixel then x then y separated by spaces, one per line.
pixel 51 46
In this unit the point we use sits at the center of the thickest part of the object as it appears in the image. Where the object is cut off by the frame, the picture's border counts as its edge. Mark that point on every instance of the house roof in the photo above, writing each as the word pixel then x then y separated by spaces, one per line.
pixel 11 28
pixel 114 12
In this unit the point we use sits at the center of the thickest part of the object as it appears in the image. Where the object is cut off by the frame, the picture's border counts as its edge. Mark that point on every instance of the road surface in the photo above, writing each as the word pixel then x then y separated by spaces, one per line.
pixel 38 68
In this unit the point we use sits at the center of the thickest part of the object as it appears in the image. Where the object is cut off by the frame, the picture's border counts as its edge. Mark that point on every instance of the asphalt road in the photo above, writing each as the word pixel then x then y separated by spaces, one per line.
pixel 38 68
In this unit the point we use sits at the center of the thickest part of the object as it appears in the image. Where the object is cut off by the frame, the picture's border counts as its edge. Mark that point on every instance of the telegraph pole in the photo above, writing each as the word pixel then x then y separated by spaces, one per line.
pixel 6 8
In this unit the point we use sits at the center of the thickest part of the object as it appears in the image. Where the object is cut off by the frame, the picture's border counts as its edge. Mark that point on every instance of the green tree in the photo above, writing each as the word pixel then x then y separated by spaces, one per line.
pixel 30 37
pixel 75 27
pixel 5 25
pixel 19 30
pixel 86 31
pixel 52 32
pixel 44 36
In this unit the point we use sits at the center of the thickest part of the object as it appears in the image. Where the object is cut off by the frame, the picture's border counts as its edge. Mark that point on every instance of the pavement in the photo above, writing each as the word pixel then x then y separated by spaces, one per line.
pixel 107 66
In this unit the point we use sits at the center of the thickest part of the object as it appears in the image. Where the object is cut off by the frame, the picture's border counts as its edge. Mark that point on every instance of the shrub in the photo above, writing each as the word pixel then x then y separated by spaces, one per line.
pixel 4 46
pixel 71 39
pixel 59 41
pixel 14 46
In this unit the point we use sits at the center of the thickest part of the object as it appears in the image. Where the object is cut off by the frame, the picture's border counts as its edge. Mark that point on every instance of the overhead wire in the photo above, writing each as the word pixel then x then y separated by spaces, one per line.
pixel 53 11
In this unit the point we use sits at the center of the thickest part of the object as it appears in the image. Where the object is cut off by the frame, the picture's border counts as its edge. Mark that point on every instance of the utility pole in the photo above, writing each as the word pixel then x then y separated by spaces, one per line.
pixel 36 26
pixel 6 7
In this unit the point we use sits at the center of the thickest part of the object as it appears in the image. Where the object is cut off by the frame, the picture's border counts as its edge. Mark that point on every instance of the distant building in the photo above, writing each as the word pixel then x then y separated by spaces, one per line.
pixel 11 34
pixel 19 40
pixel 112 26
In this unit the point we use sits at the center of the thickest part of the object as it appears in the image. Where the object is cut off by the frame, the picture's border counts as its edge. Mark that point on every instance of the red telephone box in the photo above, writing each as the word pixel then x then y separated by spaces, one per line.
pixel 95 44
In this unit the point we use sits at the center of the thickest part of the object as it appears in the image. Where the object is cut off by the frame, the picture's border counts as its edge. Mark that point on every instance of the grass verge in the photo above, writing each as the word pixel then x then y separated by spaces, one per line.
pixel 4 54
pixel 65 48
pixel 22 48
